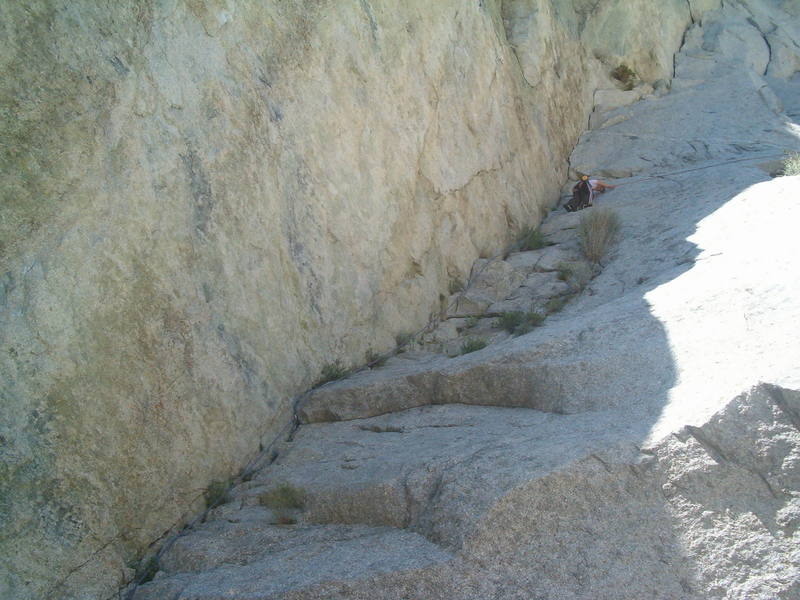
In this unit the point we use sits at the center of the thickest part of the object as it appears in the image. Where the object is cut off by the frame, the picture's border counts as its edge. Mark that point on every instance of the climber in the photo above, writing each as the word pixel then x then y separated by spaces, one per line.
pixel 599 187
pixel 584 191
pixel 582 195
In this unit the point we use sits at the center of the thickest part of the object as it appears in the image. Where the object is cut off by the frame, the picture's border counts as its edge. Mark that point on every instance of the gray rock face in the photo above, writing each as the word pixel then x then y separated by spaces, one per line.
pixel 530 503
pixel 206 202
pixel 608 454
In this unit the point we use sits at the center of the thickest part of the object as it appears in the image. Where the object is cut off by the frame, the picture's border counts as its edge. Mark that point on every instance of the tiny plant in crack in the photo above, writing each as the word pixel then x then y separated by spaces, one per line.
pixel 375 360
pixel 554 305
pixel 565 271
pixel 331 372
pixel 518 322
pixel 455 286
pixel 473 345
pixel 403 339
pixel 216 493
pixel 625 75
pixel 147 569
pixel 530 239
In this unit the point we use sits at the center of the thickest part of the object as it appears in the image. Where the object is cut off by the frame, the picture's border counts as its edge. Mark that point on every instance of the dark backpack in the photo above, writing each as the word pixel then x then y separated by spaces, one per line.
pixel 581 197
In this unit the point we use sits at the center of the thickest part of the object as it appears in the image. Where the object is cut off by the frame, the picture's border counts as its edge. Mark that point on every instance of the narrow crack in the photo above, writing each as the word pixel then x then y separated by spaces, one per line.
pixel 606 466
pixel 77 568
pixel 769 51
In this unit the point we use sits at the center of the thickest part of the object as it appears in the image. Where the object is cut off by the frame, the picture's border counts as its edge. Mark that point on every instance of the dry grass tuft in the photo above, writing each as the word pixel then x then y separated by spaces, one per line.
pixel 284 497
pixel 598 230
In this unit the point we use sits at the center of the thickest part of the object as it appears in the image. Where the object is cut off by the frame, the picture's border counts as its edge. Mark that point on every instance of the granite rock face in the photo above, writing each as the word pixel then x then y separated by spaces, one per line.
pixel 608 454
pixel 479 502
pixel 206 202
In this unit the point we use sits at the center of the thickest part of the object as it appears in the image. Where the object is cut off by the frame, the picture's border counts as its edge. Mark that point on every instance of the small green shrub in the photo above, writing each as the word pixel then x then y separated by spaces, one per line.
pixel 564 271
pixel 216 493
pixel 598 230
pixel 518 322
pixel 455 286
pixel 402 339
pixel 791 164
pixel 472 345
pixel 534 319
pixel 530 239
pixel 472 322
pixel 332 372
pixel 147 569
pixel 510 321
pixel 375 360
pixel 554 305
pixel 284 497
pixel 625 75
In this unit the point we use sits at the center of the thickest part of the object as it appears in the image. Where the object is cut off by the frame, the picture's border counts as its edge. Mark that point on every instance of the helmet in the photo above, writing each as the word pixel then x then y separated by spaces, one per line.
pixel 584 177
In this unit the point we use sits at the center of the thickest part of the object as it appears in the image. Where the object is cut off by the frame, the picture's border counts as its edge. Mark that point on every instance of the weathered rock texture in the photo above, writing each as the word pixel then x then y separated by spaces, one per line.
pixel 609 454
pixel 205 202
pixel 479 502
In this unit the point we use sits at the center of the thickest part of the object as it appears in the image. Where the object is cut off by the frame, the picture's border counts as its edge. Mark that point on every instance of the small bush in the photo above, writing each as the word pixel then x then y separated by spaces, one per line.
pixel 530 239
pixel 625 75
pixel 216 493
pixel 534 319
pixel 147 569
pixel 472 345
pixel 402 339
pixel 791 164
pixel 455 286
pixel 554 305
pixel 472 322
pixel 332 372
pixel 518 322
pixel 597 231
pixel 284 497
pixel 510 321
pixel 564 271
pixel 375 360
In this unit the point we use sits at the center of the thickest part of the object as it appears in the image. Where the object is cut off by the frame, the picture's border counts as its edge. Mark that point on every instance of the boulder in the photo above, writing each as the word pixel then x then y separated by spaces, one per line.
pixel 470 303
pixel 494 278
pixel 545 259
pixel 533 295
